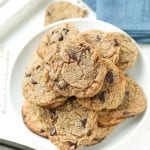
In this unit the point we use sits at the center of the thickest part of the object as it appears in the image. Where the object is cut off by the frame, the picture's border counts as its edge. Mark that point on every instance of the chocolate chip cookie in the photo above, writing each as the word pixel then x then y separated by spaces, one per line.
pixel 128 49
pixel 134 102
pixel 51 43
pixel 112 92
pixel 115 46
pixel 108 48
pixel 74 127
pixel 35 85
pixel 77 69
pixel 37 119
pixel 63 10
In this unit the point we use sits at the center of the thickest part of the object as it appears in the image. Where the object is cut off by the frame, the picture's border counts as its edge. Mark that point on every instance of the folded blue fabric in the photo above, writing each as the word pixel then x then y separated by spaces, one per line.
pixel 91 4
pixel 132 16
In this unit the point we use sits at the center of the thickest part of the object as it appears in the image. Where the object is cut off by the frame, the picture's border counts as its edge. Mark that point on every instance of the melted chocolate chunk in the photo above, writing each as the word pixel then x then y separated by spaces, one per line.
pixel 101 96
pixel 127 93
pixel 53 114
pixel 84 121
pixel 72 145
pixel 46 43
pixel 27 74
pixel 61 84
pixel 34 82
pixel 60 37
pixel 75 56
pixel 72 98
pixel 65 31
pixel 116 43
pixel 89 133
pixel 48 13
pixel 98 37
pixel 109 77
pixel 52 131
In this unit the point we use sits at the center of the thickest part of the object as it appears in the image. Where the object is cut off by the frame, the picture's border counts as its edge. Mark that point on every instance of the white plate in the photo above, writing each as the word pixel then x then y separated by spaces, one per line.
pixel 140 72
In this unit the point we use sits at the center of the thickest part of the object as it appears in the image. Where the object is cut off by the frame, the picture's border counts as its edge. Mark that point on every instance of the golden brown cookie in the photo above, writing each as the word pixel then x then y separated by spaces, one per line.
pixel 37 119
pixel 134 102
pixel 99 40
pixel 112 92
pixel 74 127
pixel 35 86
pixel 52 42
pixel 63 10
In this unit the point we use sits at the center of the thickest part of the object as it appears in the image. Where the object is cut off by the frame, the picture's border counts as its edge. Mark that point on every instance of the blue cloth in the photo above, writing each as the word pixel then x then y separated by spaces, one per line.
pixel 132 16
pixel 91 4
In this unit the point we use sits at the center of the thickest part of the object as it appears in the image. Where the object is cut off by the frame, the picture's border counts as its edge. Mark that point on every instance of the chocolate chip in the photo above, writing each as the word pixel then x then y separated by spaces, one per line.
pixel 84 121
pixel 116 43
pixel 52 131
pixel 109 77
pixel 101 96
pixel 27 74
pixel 98 37
pixel 72 145
pixel 65 31
pixel 73 55
pixel 60 37
pixel 77 57
pixel 42 130
pixel 89 133
pixel 72 98
pixel 48 13
pixel 126 113
pixel 34 82
pixel 46 43
pixel 37 67
pixel 53 114
pixel 127 93
pixel 61 84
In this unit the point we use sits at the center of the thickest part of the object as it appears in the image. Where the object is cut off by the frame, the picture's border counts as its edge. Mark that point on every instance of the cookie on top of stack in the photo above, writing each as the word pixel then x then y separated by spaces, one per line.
pixel 75 88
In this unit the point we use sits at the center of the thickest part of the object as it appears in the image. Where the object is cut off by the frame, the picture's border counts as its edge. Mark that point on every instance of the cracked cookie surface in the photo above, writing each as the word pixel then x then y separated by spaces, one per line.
pixel 53 41
pixel 108 48
pixel 35 85
pixel 75 126
pixel 77 69
pixel 128 50
pixel 115 46
pixel 134 102
pixel 63 10
pixel 112 92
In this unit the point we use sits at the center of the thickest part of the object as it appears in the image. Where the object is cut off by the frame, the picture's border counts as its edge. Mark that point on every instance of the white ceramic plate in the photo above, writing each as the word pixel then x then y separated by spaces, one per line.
pixel 140 72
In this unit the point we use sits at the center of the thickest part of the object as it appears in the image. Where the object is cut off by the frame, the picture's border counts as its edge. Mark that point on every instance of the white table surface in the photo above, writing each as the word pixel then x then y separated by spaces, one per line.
pixel 14 40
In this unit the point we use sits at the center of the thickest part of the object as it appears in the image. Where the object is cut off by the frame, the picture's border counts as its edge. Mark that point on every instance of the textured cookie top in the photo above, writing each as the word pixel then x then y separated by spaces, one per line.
pixel 75 126
pixel 112 92
pixel 134 102
pixel 52 41
pixel 108 47
pixel 128 50
pixel 62 10
pixel 35 85
pixel 77 69
pixel 115 46
pixel 36 118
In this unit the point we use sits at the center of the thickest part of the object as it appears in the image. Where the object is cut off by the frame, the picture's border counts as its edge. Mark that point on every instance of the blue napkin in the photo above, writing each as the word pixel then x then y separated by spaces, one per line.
pixel 132 16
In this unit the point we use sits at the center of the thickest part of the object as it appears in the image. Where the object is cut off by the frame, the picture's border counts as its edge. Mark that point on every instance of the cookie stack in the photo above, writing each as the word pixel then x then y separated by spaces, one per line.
pixel 75 87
